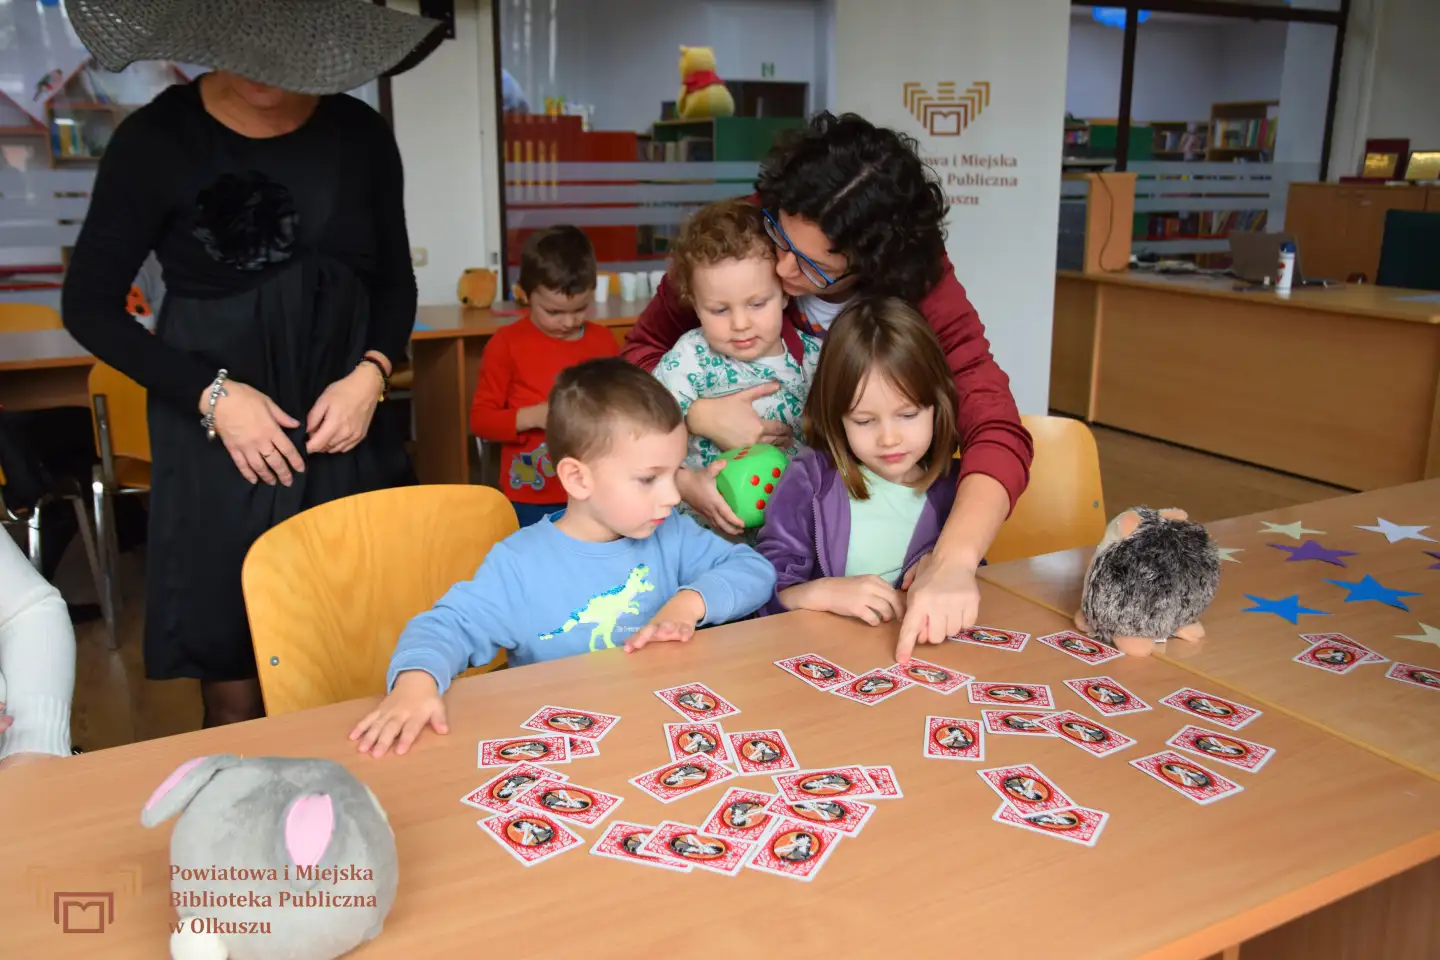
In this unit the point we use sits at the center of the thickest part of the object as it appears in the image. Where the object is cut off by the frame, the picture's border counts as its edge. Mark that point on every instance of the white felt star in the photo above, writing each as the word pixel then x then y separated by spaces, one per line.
pixel 1297 530
pixel 1228 553
pixel 1431 635
pixel 1397 531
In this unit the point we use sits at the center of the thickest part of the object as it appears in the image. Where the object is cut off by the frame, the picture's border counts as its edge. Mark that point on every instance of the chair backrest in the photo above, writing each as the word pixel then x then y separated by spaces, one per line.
pixel 1408 251
pixel 125 413
pixel 329 590
pixel 1063 507
pixel 25 317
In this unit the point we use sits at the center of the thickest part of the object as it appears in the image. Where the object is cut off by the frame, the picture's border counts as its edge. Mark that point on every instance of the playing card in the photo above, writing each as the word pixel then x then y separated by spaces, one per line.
pixel 1207 706
pixel 578 724
pixel 1331 656
pixel 1222 748
pixel 1186 777
pixel 1080 646
pixel 688 739
pixel 886 786
pixel 1015 722
pixel 1427 677
pixel 695 701
pixel 1107 697
pixel 498 794
pixel 820 672
pixel 531 749
pixel 794 849
pixel 1370 655
pixel 530 835
pixel 931 676
pixel 873 687
pixel 741 815
pixel 1026 789
pixel 825 783
pixel 1092 736
pixel 949 738
pixel 994 638
pixel 622 841
pixel 568 801
pixel 580 749
pixel 1036 695
pixel 762 751
pixel 847 816
pixel 1078 824
pixel 680 778
pixel 685 845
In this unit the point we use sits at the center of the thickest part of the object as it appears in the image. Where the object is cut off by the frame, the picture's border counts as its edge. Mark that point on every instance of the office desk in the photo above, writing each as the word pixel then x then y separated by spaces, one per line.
pixel 1339 385
pixel 1326 833
pixel 1251 652
pixel 47 368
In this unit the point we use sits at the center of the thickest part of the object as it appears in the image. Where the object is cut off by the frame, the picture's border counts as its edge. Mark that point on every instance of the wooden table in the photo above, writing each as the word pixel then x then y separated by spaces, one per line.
pixel 47 368
pixel 1251 652
pixel 1326 829
pixel 1338 384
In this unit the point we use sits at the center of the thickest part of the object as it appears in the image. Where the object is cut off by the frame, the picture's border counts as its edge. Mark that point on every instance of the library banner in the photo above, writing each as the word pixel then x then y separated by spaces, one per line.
pixel 981 86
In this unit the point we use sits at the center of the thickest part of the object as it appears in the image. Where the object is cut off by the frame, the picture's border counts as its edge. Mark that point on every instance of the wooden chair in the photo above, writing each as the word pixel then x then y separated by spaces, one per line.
pixel 1063 507
pixel 27 317
pixel 122 439
pixel 329 591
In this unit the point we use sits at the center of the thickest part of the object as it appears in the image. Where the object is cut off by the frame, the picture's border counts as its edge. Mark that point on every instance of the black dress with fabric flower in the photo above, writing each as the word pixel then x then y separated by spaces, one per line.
pixel 284 260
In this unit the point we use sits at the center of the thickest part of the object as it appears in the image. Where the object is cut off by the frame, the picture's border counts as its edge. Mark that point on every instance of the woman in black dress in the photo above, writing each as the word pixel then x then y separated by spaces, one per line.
pixel 278 219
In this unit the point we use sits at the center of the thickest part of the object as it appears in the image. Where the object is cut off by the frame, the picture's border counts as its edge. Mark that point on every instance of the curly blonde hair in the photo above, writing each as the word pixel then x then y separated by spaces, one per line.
pixel 725 230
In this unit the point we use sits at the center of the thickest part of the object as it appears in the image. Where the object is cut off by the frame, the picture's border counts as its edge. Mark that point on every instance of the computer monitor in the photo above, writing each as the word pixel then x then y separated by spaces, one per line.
pixel 1408 254
pixel 1255 256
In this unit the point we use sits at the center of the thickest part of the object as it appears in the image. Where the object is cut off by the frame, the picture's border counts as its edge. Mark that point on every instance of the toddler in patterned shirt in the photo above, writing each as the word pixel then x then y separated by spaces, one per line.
pixel 723 265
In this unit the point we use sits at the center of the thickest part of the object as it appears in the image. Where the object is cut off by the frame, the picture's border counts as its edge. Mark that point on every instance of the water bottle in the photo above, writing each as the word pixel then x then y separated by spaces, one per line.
pixel 1287 267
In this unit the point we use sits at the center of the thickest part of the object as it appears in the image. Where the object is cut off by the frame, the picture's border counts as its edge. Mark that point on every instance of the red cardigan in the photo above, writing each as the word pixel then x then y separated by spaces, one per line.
pixel 992 440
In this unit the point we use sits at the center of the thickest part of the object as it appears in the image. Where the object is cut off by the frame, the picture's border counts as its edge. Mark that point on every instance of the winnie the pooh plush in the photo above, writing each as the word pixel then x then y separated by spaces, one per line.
pixel 702 92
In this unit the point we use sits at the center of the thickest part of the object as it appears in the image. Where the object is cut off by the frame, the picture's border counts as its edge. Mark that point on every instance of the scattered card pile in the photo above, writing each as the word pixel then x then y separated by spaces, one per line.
pixel 879 684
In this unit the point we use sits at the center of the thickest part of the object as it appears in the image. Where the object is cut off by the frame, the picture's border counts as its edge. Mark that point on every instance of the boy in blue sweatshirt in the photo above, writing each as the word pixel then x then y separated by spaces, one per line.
pixel 617 567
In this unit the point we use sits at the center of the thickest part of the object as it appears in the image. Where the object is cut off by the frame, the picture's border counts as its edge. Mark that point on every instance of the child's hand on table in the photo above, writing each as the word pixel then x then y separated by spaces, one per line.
pixel 959 587
pixel 672 623
pixel 412 703
pixel 868 598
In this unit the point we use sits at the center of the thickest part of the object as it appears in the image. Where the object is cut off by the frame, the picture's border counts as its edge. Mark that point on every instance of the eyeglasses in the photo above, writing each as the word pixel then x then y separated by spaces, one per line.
pixel 808 267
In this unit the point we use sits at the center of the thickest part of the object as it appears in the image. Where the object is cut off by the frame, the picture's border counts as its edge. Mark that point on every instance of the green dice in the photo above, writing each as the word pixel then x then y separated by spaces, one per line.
pixel 750 476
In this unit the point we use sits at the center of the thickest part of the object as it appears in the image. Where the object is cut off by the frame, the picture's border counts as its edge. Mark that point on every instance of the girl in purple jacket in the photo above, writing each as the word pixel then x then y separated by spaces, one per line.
pixel 854 514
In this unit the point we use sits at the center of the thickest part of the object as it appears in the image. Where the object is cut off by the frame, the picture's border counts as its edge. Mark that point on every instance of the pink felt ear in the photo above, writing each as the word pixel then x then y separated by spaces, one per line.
pixel 308 828
pixel 173 779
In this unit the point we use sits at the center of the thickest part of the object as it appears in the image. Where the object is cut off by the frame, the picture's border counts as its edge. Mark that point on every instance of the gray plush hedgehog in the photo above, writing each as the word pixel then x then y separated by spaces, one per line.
pixel 1151 577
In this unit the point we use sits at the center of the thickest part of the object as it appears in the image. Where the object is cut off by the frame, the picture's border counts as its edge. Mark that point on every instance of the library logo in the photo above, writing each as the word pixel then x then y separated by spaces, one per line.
pixel 946 112
pixel 82 905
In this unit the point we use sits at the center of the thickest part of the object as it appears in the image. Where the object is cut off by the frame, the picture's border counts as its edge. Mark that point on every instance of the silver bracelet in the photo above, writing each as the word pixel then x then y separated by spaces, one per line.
pixel 217 390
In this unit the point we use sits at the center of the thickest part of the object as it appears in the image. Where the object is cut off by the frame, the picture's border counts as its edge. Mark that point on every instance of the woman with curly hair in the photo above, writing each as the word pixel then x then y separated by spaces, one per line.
pixel 274 204
pixel 854 211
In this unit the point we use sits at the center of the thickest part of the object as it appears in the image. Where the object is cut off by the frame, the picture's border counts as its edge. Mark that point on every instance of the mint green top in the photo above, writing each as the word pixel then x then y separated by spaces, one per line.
pixel 881 528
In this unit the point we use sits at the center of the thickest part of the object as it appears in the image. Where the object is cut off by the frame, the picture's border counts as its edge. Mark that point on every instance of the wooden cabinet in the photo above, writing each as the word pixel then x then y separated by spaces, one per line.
pixel 1338 227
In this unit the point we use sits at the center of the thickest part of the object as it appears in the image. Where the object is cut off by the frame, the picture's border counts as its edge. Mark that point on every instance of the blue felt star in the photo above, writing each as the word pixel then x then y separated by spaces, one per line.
pixel 1368 588
pixel 1288 608
pixel 1312 550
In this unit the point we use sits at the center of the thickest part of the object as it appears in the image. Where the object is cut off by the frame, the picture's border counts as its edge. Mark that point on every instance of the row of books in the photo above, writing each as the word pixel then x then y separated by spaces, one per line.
pixel 1177 141
pixel 1206 225
pixel 688 149
pixel 1256 134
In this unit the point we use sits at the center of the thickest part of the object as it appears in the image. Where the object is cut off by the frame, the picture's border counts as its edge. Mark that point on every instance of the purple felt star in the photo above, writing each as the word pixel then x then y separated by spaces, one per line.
pixel 1312 550
pixel 1433 566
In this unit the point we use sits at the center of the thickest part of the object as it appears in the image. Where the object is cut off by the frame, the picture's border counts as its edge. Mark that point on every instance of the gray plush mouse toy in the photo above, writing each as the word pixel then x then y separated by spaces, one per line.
pixel 274 858
pixel 1153 574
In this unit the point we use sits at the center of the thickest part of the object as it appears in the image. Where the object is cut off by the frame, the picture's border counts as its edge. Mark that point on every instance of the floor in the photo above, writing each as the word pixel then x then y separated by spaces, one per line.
pixel 114 704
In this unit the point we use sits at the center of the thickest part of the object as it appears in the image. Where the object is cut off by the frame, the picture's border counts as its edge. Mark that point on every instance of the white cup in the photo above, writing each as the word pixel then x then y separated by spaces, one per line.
pixel 602 288
pixel 642 286
pixel 627 286
pixel 655 277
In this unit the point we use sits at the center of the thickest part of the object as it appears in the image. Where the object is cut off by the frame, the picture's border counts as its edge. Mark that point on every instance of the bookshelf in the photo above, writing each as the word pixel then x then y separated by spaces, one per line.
pixel 1242 131
pixel 718 139
pixel 1178 140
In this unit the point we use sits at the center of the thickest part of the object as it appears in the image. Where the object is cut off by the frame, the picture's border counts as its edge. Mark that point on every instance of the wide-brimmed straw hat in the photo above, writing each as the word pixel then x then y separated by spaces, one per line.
pixel 304 46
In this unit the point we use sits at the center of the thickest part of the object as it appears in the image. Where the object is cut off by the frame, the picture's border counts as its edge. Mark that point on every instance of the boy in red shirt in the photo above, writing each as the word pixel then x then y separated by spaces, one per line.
pixel 521 361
